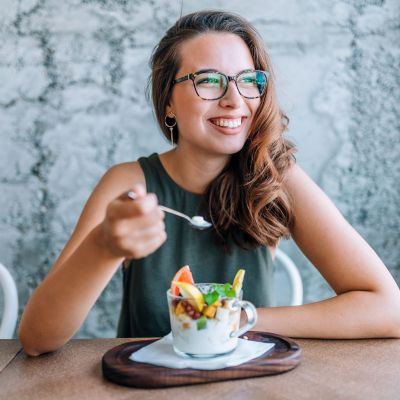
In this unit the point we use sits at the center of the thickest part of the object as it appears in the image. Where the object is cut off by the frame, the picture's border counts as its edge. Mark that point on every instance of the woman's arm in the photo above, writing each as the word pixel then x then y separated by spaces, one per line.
pixel 368 300
pixel 109 230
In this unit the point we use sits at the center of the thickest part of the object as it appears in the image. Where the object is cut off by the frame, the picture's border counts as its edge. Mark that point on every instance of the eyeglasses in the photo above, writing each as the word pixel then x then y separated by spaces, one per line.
pixel 210 84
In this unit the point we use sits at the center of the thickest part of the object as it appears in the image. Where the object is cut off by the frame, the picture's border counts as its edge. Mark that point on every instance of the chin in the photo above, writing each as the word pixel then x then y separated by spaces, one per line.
pixel 224 147
pixel 231 149
pixel 234 146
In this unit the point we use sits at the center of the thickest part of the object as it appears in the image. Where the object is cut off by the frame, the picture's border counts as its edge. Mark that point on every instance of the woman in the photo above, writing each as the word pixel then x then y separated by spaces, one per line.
pixel 214 98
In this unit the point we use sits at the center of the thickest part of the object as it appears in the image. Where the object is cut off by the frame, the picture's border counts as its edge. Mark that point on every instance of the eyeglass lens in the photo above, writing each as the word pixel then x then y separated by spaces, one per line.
pixel 212 85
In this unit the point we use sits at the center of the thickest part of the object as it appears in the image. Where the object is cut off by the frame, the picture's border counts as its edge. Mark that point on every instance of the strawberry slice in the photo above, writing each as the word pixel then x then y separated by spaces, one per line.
pixel 183 275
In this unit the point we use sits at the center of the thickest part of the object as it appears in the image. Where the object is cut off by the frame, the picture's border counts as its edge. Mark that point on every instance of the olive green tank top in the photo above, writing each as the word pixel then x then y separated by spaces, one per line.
pixel 144 309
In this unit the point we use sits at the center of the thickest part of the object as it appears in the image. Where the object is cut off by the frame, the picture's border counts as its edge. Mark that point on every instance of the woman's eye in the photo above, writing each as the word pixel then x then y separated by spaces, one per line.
pixel 208 81
pixel 248 80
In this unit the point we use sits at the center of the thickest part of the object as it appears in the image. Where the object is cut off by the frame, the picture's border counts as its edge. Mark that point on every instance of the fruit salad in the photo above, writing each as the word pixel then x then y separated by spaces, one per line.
pixel 204 315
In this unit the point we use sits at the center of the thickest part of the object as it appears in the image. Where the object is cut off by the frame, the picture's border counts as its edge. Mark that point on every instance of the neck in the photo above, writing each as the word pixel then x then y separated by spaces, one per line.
pixel 193 171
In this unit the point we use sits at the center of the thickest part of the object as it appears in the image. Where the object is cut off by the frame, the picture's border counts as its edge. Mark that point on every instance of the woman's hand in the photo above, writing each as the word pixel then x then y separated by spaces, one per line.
pixel 133 228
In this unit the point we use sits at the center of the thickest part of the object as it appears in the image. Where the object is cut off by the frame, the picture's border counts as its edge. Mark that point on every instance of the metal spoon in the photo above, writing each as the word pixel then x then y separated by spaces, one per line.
pixel 197 221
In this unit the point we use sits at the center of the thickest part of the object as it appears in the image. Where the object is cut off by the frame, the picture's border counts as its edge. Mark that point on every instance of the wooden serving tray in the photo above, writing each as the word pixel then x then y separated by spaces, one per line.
pixel 118 368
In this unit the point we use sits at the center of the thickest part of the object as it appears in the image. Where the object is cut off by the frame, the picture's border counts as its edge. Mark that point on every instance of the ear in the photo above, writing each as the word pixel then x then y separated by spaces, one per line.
pixel 170 107
pixel 168 110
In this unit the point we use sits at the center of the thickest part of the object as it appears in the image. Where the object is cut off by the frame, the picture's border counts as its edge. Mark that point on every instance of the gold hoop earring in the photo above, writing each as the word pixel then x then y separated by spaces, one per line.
pixel 170 127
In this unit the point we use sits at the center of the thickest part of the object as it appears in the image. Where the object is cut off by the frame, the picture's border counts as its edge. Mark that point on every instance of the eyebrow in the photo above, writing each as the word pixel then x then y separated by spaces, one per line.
pixel 216 70
pixel 207 70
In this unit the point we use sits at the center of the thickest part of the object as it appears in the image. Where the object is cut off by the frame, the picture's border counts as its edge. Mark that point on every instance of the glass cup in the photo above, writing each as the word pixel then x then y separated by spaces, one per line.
pixel 212 332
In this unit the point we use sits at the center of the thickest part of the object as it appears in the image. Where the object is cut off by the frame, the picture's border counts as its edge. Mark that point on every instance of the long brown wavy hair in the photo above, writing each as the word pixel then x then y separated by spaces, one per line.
pixel 247 201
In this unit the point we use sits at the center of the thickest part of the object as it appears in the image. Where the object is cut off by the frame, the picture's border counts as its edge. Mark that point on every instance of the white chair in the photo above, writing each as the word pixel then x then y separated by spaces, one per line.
pixel 293 275
pixel 10 300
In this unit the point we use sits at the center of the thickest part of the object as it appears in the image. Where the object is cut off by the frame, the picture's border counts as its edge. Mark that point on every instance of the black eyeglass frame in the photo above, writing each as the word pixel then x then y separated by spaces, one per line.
pixel 229 78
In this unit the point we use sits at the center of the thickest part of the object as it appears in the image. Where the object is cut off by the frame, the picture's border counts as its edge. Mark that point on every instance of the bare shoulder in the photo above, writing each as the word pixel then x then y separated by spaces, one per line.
pixel 127 170
pixel 118 179
pixel 296 178
pixel 335 248
pixel 316 218
pixel 308 198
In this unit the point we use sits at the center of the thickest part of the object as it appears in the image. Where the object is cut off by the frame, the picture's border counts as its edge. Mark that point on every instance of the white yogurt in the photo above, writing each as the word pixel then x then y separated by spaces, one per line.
pixel 213 339
pixel 200 222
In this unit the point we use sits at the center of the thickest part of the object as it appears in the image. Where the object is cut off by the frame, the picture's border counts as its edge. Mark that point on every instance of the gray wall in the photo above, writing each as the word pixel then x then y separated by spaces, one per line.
pixel 72 103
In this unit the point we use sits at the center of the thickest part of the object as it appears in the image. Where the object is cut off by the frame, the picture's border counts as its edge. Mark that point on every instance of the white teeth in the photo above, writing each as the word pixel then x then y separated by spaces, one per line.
pixel 228 123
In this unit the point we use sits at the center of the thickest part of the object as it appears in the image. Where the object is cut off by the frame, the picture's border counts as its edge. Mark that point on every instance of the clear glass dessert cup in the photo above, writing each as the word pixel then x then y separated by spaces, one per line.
pixel 212 331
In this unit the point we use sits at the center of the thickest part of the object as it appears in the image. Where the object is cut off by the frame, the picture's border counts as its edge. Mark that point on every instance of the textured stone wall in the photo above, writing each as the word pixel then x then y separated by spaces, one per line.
pixel 72 103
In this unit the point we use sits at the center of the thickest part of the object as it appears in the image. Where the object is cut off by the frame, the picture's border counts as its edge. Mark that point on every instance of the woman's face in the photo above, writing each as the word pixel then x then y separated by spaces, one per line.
pixel 199 121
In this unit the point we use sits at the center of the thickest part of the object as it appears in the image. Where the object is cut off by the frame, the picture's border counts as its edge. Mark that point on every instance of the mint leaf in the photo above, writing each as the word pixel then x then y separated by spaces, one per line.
pixel 201 323
pixel 219 288
pixel 227 288
pixel 211 298
pixel 223 289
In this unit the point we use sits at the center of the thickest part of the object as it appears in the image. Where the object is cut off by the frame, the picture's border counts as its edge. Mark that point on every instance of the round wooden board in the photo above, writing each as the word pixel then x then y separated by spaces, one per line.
pixel 118 368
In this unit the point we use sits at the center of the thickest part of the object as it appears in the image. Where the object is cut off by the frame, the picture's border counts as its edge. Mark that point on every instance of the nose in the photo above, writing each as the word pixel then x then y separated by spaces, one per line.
pixel 232 97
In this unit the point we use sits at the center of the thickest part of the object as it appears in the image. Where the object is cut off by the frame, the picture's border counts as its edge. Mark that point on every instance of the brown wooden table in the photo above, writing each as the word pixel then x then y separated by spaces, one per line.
pixel 330 369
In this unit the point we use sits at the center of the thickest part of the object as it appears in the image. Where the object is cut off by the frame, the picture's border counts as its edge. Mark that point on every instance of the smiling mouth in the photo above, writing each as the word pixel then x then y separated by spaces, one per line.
pixel 231 123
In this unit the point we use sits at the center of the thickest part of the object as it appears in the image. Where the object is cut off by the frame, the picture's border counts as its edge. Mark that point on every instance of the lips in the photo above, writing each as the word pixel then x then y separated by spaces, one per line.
pixel 227 122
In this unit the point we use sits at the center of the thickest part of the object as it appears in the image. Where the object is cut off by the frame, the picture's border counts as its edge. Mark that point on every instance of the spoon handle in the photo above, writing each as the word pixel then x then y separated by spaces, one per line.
pixel 171 211
pixel 132 195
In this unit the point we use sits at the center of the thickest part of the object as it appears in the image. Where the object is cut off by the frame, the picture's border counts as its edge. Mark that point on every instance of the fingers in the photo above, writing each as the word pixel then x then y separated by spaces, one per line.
pixel 138 243
pixel 134 203
pixel 142 205
pixel 134 226
pixel 140 228
pixel 138 190
pixel 148 246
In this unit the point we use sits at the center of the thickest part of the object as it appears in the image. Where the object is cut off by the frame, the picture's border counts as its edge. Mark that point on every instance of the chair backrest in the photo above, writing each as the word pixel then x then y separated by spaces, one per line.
pixel 293 274
pixel 10 314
